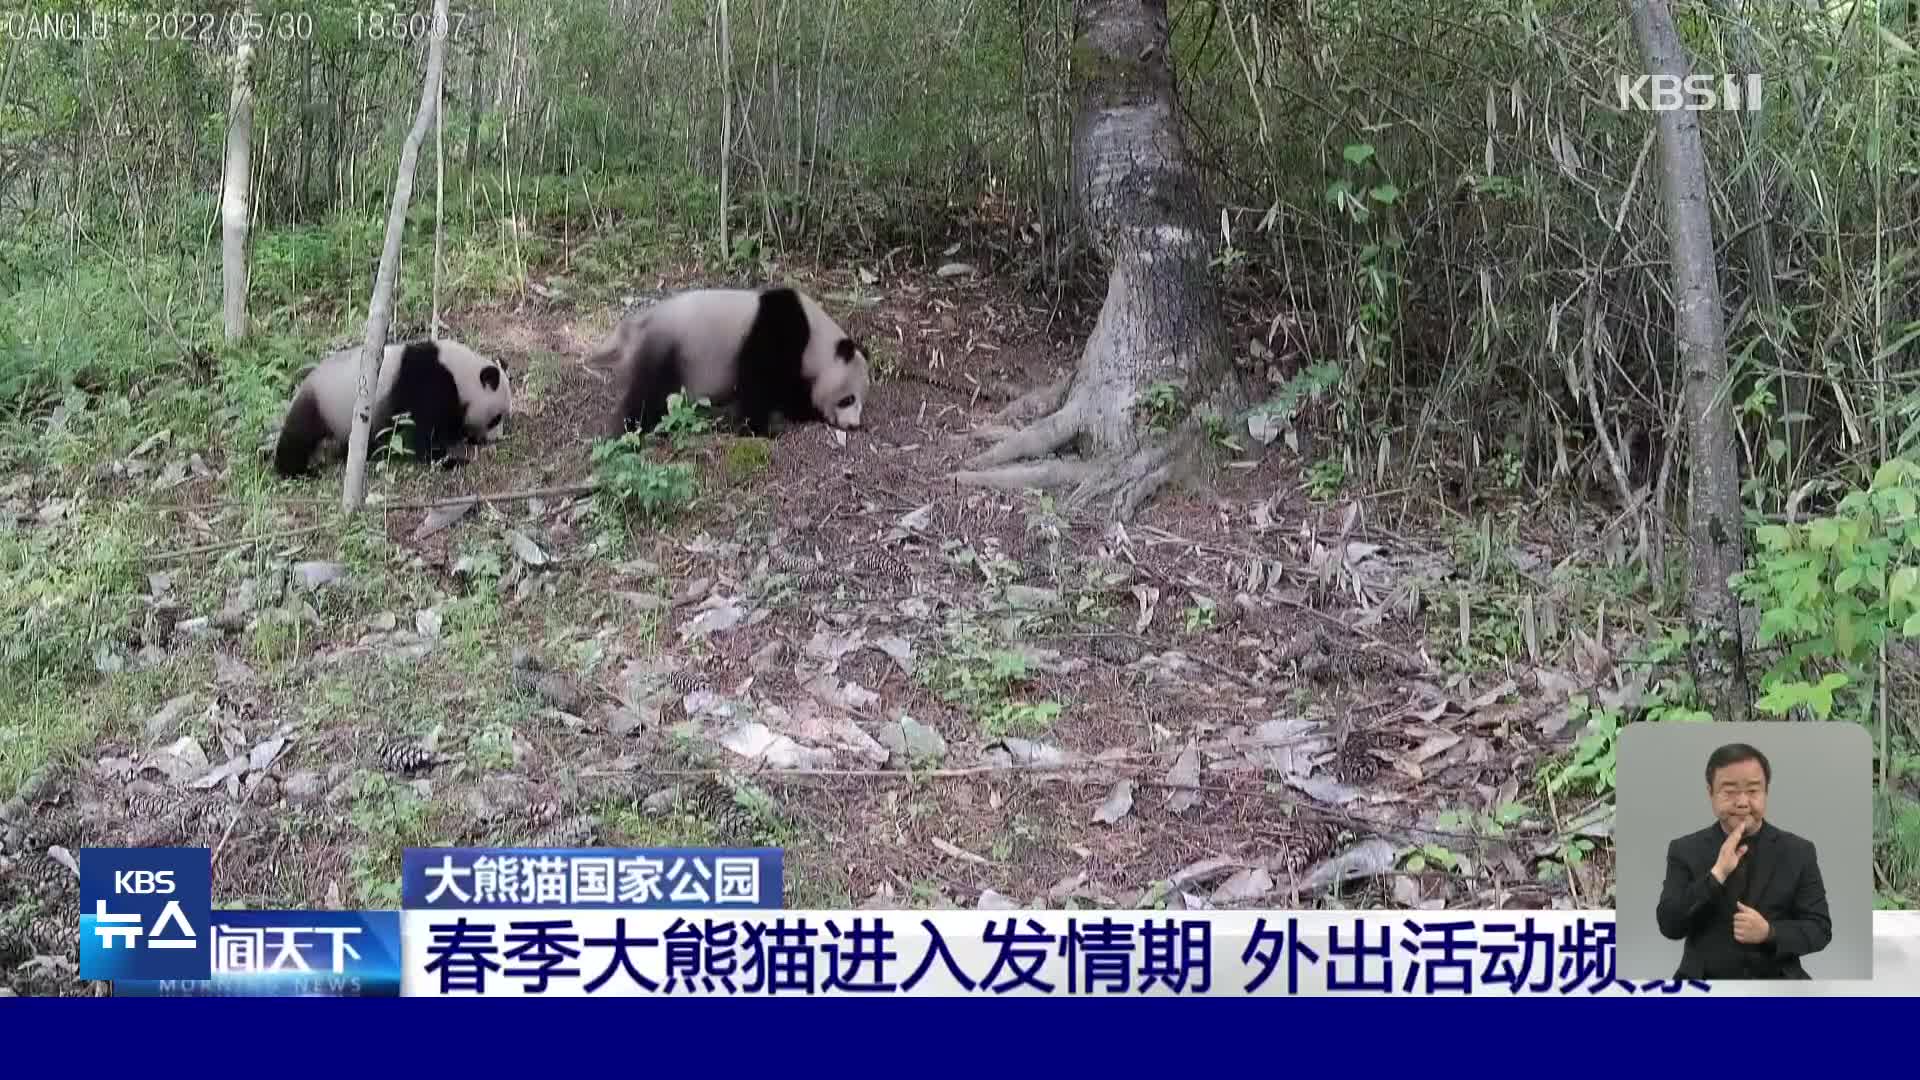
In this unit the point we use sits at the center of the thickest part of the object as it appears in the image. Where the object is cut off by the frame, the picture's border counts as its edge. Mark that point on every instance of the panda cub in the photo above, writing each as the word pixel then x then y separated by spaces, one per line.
pixel 762 351
pixel 453 395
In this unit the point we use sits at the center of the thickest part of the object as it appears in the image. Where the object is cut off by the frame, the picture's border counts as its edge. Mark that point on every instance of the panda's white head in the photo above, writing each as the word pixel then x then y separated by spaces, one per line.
pixel 486 393
pixel 839 387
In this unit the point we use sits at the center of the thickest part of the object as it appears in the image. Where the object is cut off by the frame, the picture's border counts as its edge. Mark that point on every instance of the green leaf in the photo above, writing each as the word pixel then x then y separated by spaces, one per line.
pixel 1824 533
pixel 1385 193
pixel 1912 628
pixel 1905 580
pixel 1848 580
pixel 1774 537
pixel 1889 474
pixel 1358 153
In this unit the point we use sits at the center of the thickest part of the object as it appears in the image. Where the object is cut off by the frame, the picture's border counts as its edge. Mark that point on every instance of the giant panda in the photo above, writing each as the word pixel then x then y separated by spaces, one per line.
pixel 762 351
pixel 453 395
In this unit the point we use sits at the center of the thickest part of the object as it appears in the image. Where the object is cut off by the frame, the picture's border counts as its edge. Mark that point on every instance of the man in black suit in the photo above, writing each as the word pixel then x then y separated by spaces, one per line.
pixel 1744 893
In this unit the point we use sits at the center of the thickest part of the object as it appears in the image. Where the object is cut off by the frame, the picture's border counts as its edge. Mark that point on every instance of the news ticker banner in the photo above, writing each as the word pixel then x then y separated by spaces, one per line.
pixel 148 923
pixel 608 923
pixel 556 952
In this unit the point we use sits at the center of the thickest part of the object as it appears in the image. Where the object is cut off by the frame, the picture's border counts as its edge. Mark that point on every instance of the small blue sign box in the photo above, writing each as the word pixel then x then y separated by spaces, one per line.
pixel 146 913
pixel 292 954
pixel 444 879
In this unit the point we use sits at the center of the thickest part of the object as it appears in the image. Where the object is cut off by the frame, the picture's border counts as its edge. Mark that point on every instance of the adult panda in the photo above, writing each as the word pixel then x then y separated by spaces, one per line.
pixel 452 394
pixel 761 351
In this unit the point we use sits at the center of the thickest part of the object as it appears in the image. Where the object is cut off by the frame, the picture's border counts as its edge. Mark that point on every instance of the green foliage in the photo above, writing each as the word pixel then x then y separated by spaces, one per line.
pixel 685 421
pixel 629 483
pixel 984 679
pixel 1590 768
pixel 1831 590
pixel 1160 404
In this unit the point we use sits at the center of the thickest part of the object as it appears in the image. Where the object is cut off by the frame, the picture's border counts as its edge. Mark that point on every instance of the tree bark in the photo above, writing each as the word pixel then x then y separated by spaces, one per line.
pixel 1161 321
pixel 380 309
pixel 473 94
pixel 724 46
pixel 234 202
pixel 1715 523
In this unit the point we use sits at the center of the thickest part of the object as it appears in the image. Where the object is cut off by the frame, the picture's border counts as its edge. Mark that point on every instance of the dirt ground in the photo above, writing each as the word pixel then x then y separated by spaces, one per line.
pixel 928 695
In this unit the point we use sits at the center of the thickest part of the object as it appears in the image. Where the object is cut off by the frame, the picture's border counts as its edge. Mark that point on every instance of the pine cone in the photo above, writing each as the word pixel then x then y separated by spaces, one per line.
pixel 405 756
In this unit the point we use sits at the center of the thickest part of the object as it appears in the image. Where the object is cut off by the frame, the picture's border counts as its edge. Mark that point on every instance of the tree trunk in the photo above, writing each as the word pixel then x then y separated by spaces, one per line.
pixel 380 310
pixel 1715 525
pixel 1161 321
pixel 473 95
pixel 234 200
pixel 305 197
pixel 724 46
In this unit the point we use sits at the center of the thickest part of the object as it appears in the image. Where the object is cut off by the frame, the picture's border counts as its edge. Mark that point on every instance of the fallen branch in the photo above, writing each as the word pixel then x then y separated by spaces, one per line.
pixel 245 541
pixel 494 497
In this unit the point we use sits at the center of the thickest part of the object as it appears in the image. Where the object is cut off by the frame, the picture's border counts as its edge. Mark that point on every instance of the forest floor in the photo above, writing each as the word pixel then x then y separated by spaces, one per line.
pixel 927 695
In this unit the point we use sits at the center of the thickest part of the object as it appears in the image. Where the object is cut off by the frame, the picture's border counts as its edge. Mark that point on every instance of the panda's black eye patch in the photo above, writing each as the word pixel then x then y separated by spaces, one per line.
pixel 495 422
pixel 490 377
pixel 845 349
pixel 845 402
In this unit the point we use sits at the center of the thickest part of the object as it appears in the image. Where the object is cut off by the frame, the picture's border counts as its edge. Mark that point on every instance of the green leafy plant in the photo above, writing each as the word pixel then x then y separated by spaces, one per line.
pixel 1831 590
pixel 627 482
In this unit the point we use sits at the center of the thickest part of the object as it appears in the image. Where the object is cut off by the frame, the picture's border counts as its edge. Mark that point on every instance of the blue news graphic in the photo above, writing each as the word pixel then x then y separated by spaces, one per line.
pixel 606 878
pixel 292 954
pixel 145 913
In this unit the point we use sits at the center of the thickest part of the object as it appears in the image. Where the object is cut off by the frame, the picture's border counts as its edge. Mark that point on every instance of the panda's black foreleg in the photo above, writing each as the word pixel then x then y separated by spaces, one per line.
pixel 756 409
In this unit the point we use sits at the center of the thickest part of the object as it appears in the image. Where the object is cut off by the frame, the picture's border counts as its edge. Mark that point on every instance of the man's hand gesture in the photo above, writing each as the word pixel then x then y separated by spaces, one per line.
pixel 1730 852
pixel 1749 926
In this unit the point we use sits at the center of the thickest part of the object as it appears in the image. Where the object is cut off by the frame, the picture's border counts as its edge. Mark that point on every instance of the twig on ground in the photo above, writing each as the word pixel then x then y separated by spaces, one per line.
pixel 245 541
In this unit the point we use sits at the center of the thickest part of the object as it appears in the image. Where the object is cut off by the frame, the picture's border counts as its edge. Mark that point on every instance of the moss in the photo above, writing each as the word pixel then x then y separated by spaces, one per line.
pixel 747 459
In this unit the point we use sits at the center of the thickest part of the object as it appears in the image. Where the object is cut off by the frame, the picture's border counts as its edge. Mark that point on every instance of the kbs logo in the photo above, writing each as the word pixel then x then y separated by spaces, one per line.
pixel 143 881
pixel 145 913
pixel 1693 93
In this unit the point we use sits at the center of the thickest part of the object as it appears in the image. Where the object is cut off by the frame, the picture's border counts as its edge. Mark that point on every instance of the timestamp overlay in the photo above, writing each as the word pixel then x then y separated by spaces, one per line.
pixel 82 23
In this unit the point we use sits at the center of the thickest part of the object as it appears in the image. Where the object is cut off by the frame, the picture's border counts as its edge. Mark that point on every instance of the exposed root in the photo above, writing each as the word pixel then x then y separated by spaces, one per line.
pixel 1035 403
pixel 1044 475
pixel 1124 482
pixel 1044 437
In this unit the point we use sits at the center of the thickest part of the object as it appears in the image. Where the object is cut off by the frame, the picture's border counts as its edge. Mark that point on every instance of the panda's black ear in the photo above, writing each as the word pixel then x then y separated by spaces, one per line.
pixel 490 377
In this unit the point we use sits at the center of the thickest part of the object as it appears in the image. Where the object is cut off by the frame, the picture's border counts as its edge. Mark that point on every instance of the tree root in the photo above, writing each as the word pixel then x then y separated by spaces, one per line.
pixel 1036 403
pixel 1123 481
pixel 1042 438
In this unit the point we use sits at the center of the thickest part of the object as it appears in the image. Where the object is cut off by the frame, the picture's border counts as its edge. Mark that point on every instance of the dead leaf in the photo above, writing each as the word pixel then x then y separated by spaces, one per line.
pixel 1368 858
pixel 440 517
pixel 64 858
pixel 960 853
pixel 1067 886
pixel 1493 695
pixel 718 616
pixel 1438 744
pixel 1200 871
pixel 899 649
pixel 227 770
pixel 1247 883
pixel 527 551
pixel 1118 803
pixel 1185 776
pixel 1149 599
pixel 264 754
